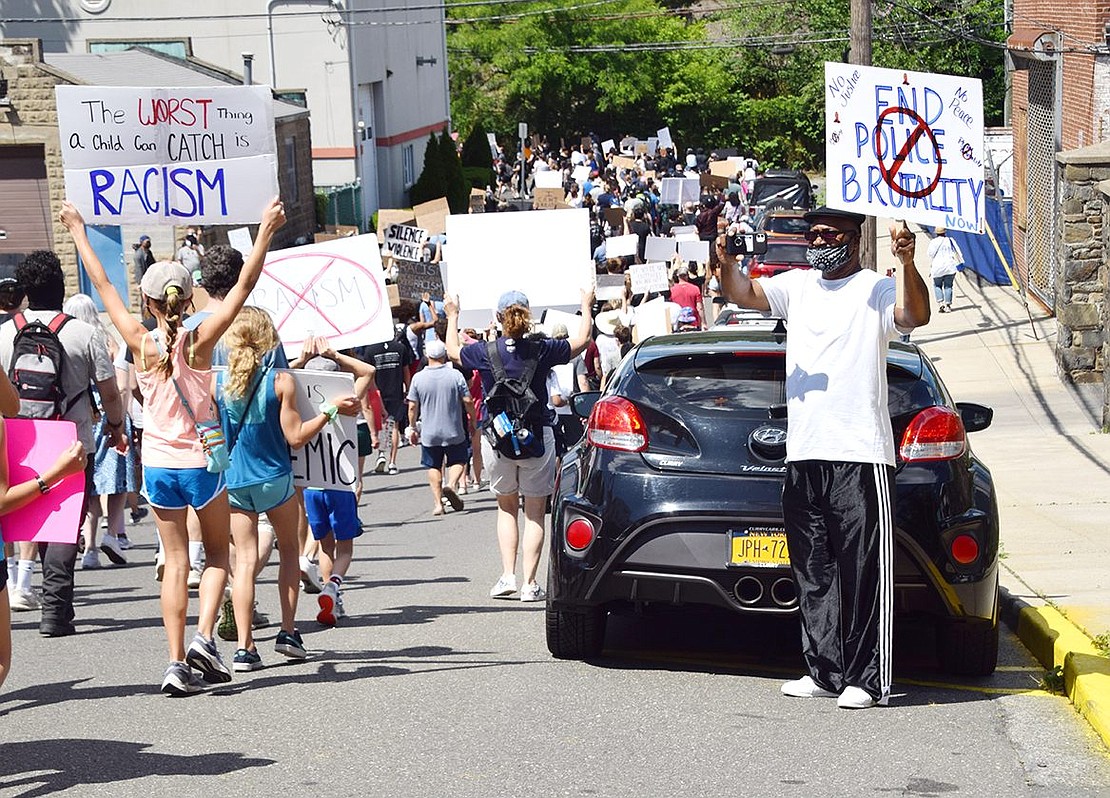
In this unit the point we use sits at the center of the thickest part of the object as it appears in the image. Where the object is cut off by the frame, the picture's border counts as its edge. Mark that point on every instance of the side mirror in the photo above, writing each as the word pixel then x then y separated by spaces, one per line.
pixel 583 403
pixel 975 417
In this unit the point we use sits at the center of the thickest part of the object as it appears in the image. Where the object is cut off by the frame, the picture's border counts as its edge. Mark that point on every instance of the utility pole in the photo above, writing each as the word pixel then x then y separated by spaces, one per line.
pixel 861 54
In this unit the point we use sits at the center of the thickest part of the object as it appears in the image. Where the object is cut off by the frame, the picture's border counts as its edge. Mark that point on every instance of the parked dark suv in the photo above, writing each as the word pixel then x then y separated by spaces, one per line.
pixel 674 494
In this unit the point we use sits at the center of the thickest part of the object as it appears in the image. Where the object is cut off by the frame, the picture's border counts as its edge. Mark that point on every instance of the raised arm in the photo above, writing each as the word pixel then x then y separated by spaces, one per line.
pixel 914 310
pixel 451 308
pixel 581 339
pixel 297 431
pixel 212 328
pixel 130 328
pixel 736 286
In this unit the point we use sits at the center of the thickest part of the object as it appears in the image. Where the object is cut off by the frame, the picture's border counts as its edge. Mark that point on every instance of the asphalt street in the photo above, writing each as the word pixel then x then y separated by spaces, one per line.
pixel 431 688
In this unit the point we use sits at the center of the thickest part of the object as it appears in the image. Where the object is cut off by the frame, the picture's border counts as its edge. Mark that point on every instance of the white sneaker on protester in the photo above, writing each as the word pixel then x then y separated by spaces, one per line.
pixel 310 575
pixel 806 688
pixel 90 560
pixel 505 586
pixel 23 600
pixel 112 549
pixel 855 698
pixel 532 592
pixel 194 578
pixel 379 467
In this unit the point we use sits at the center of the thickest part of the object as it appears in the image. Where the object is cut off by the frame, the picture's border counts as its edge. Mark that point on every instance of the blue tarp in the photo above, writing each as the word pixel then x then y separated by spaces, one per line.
pixel 979 253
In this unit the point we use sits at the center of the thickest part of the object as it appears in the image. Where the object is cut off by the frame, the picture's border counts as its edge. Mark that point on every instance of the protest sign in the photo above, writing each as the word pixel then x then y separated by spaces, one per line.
pixel 614 217
pixel 492 139
pixel 431 215
pixel 240 238
pixel 330 459
pixel 414 277
pixel 723 169
pixel 905 144
pixel 652 318
pixel 608 146
pixel 549 178
pixel 477 200
pixel 621 162
pixel 697 251
pixel 172 156
pixel 405 242
pixel 649 277
pixel 587 144
pixel 335 289
pixel 657 248
pixel 621 246
pixel 33 447
pixel 552 317
pixel 628 144
pixel 388 216
pixel 663 136
pixel 547 199
pixel 609 286
pixel 710 180
pixel 581 173
pixel 679 190
pixel 545 255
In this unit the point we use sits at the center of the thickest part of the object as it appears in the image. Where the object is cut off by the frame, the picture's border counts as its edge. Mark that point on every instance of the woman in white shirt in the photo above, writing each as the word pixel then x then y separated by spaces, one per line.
pixel 945 259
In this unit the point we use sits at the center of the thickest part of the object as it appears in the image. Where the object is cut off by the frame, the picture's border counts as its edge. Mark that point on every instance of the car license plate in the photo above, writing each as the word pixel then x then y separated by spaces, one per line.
pixel 761 547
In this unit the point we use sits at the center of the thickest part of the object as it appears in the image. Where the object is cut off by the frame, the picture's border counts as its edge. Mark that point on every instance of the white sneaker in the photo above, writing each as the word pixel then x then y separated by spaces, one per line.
pixel 23 600
pixel 310 575
pixel 90 560
pixel 109 544
pixel 505 587
pixel 194 579
pixel 379 467
pixel 532 592
pixel 806 688
pixel 855 698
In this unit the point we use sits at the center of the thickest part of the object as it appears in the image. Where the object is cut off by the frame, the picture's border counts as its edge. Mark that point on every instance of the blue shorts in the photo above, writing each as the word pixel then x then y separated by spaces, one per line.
pixel 332 512
pixel 263 497
pixel 178 488
pixel 455 454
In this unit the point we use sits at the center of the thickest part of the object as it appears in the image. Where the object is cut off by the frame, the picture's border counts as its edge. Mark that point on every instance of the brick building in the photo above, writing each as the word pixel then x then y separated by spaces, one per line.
pixel 1060 101
pixel 32 185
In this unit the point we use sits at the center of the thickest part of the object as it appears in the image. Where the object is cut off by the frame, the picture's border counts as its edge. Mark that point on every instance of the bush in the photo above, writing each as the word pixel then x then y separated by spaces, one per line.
pixel 321 210
pixel 432 183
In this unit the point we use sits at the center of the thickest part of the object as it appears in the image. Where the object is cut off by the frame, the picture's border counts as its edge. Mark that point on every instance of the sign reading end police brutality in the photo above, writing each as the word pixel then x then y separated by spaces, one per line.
pixel 907 145
pixel 201 155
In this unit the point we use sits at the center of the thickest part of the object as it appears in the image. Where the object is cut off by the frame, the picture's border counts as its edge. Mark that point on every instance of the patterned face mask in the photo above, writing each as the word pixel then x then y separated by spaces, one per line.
pixel 828 259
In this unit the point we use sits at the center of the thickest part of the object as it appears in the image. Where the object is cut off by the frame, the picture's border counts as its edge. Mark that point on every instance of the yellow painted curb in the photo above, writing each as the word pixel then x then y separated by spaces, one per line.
pixel 1056 641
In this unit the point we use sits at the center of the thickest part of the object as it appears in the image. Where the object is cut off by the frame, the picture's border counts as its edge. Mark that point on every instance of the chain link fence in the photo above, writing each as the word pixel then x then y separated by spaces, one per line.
pixel 1040 230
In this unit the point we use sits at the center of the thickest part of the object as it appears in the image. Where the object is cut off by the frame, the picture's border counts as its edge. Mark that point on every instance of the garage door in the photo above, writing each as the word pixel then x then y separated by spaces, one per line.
pixel 24 202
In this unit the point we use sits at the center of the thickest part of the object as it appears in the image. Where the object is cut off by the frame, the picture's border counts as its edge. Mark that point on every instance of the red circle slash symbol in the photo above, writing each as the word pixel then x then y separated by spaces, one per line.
pixel 889 173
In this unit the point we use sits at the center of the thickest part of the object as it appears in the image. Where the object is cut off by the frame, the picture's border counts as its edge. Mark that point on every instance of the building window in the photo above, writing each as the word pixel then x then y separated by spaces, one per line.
pixel 178 48
pixel 408 165
pixel 291 169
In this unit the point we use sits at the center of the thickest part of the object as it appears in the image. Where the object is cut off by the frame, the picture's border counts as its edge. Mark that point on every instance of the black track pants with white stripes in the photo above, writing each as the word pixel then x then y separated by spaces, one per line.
pixel 840 530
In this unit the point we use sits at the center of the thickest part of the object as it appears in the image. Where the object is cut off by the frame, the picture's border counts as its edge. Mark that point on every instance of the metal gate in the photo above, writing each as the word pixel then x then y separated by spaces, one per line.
pixel 1040 219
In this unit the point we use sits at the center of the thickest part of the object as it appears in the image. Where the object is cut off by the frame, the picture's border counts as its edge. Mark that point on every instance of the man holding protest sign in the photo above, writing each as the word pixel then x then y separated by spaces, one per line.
pixel 839 448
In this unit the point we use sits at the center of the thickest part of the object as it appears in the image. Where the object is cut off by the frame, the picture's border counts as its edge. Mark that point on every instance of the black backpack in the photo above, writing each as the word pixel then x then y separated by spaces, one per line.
pixel 514 414
pixel 38 361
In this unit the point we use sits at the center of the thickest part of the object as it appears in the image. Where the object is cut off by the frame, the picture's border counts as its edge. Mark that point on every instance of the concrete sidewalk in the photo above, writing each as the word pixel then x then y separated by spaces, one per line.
pixel 1051 468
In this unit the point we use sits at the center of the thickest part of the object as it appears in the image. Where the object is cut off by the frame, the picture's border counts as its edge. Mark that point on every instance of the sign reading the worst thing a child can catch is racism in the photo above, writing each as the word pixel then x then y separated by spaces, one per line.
pixel 202 155
pixel 907 145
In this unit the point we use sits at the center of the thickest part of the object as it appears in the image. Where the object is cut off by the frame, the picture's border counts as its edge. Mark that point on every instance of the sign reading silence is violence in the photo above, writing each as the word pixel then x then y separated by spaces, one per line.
pixel 905 144
pixel 201 155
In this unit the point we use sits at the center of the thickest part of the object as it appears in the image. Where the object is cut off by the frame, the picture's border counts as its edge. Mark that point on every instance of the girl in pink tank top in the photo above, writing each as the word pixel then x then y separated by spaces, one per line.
pixel 174 376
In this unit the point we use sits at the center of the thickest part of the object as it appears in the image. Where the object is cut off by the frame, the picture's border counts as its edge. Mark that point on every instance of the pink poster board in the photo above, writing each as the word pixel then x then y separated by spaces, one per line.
pixel 33 446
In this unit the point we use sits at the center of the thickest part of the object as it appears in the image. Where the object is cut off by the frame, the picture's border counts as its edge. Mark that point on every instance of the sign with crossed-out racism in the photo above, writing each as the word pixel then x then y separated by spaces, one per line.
pixel 907 145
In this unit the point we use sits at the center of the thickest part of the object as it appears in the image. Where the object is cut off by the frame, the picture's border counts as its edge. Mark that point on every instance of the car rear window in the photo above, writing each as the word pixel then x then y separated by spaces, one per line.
pixel 784 253
pixel 725 381
pixel 794 225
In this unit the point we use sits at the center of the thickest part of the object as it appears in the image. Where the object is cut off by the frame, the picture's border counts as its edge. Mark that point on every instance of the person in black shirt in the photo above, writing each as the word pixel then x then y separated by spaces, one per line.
pixel 393 361
pixel 641 228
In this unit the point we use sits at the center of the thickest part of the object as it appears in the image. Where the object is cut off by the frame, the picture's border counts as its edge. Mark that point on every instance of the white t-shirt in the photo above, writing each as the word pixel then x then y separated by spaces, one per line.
pixel 944 257
pixel 836 344
pixel 560 382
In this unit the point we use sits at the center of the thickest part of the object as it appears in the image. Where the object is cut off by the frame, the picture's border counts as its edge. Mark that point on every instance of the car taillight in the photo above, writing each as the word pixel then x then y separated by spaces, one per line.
pixel 936 433
pixel 615 423
pixel 580 534
pixel 758 270
pixel 965 549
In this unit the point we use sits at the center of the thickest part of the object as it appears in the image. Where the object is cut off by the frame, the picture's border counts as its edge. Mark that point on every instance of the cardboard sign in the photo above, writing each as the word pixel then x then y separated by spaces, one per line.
pixel 33 447
pixel 709 180
pixel 726 169
pixel 548 178
pixel 545 255
pixel 173 156
pixel 907 145
pixel 621 162
pixel 477 200
pixel 431 215
pixel 404 242
pixel 240 239
pixel 657 248
pixel 614 217
pixel 664 137
pixel 679 190
pixel 416 277
pixel 641 148
pixel 389 216
pixel 547 199
pixel 621 246
pixel 649 277
pixel 335 289
pixel 329 460
pixel 697 251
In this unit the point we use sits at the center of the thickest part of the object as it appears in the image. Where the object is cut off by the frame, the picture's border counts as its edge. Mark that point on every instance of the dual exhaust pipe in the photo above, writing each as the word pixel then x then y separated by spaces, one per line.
pixel 749 591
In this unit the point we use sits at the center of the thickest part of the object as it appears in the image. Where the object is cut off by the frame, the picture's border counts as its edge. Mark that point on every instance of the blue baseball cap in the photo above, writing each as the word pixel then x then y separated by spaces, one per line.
pixel 511 298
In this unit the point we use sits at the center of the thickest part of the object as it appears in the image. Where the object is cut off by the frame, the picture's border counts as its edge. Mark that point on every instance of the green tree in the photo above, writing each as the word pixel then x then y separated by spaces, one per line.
pixel 457 187
pixel 475 149
pixel 432 183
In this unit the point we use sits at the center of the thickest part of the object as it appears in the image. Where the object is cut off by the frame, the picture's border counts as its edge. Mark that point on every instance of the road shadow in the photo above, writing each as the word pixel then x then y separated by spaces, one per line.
pixel 46 767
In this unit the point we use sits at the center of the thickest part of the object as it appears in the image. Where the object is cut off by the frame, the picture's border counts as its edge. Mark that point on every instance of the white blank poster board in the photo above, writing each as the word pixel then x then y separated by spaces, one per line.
pixel 545 255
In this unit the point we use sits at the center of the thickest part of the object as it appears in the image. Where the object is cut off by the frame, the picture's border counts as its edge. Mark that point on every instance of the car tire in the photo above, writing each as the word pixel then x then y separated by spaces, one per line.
pixel 576 634
pixel 967 648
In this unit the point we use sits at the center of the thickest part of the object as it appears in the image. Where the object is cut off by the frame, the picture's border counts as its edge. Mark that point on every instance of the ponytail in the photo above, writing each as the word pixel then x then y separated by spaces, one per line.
pixel 171 308
pixel 517 321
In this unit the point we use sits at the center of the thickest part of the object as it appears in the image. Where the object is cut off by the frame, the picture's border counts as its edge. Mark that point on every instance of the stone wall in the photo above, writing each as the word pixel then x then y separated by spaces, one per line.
pixel 1104 284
